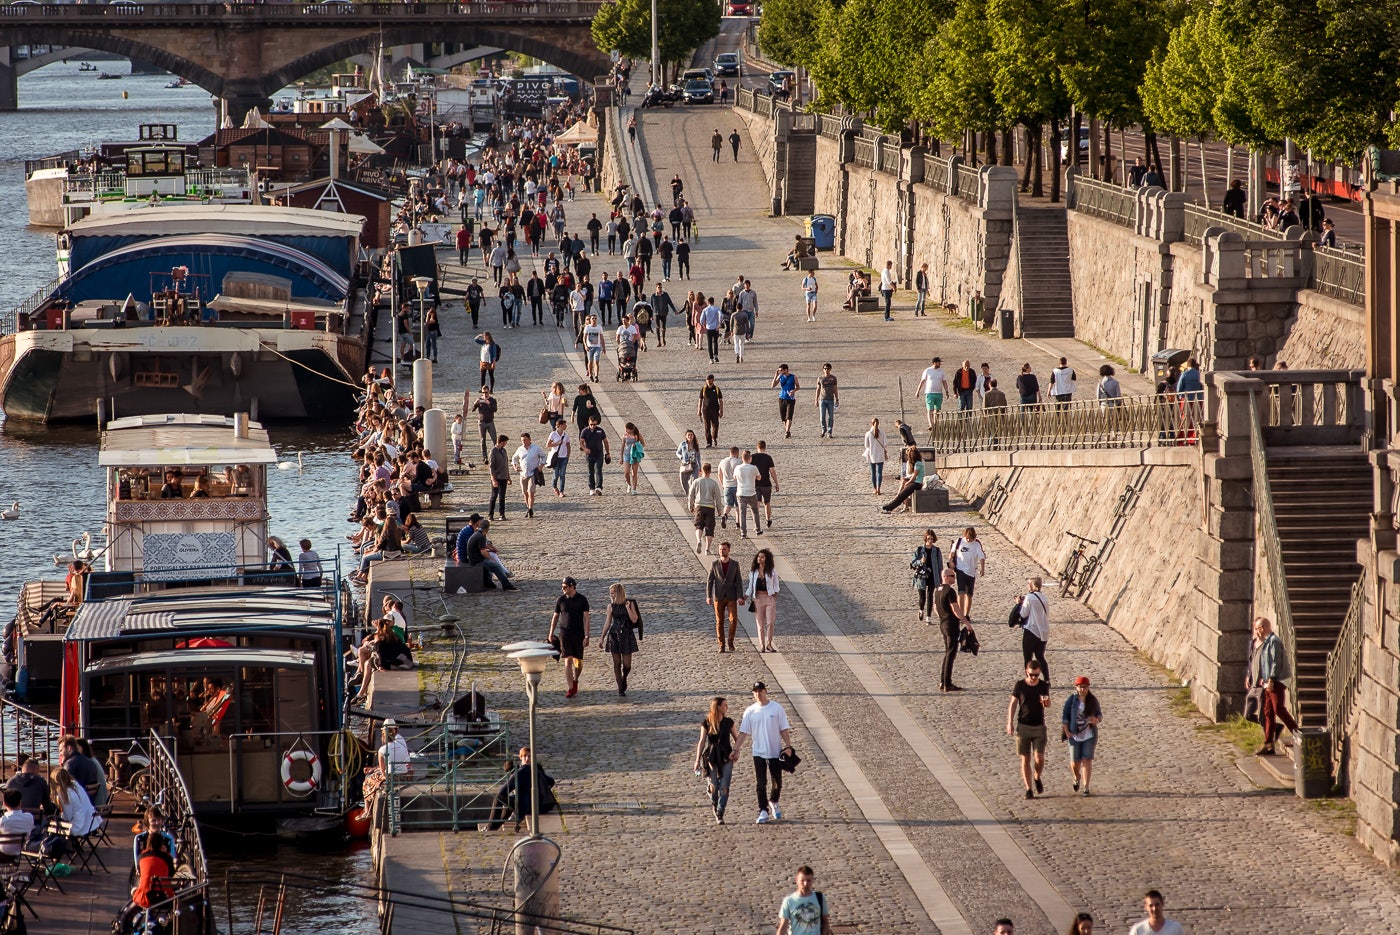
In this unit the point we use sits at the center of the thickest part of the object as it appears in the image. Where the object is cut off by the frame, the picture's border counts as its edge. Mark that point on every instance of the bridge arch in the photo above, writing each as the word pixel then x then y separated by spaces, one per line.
pixel 125 46
pixel 31 63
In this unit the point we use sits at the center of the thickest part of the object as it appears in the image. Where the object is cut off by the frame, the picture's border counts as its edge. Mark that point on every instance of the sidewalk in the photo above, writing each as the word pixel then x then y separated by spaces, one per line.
pixel 907 803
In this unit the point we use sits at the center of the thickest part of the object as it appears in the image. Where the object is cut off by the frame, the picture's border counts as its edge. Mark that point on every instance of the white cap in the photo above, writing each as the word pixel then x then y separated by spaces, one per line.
pixel 391 723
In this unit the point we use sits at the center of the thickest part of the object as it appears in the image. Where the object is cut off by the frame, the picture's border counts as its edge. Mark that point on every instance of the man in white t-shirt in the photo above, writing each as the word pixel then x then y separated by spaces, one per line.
pixel 593 345
pixel 933 384
pixel 393 755
pixel 628 333
pixel 1156 922
pixel 887 284
pixel 730 484
pixel 528 459
pixel 746 488
pixel 970 562
pixel 809 293
pixel 765 726
pixel 1062 384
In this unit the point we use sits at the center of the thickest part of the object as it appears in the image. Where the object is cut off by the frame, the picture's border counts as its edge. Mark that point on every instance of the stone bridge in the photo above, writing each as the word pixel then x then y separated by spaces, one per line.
pixel 245 52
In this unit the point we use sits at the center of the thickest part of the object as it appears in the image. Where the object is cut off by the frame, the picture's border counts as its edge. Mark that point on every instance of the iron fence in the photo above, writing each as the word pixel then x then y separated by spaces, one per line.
pixel 1102 200
pixel 1135 422
pixel 1344 672
pixel 1199 218
pixel 762 104
pixel 454 779
pixel 743 99
pixel 1340 274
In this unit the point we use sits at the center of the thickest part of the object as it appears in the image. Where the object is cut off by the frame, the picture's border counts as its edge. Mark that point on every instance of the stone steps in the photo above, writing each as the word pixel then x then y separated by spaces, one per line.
pixel 1042 249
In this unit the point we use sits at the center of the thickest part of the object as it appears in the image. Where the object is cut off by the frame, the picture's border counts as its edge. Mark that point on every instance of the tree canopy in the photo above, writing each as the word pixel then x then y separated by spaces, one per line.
pixel 684 25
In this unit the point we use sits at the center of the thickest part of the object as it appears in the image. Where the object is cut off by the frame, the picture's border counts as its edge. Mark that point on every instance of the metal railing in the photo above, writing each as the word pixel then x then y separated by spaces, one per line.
pixel 1267 539
pixel 453 783
pixel 863 152
pixel 1344 671
pixel 1199 218
pixel 1137 422
pixel 1101 199
pixel 26 731
pixel 936 172
pixel 967 184
pixel 1340 274
pixel 762 104
pixel 10 323
pixel 165 787
pixel 308 14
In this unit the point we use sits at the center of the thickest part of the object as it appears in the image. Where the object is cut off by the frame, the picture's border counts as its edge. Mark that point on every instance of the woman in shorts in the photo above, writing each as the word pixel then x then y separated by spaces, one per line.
pixel 1079 726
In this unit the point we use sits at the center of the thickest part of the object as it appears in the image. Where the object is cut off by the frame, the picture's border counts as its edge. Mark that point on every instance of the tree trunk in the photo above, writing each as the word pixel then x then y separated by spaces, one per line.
pixel 1055 158
pixel 1008 148
pixel 990 138
pixel 935 147
pixel 1074 159
pixel 1154 153
pixel 1030 160
pixel 1107 174
pixel 1038 176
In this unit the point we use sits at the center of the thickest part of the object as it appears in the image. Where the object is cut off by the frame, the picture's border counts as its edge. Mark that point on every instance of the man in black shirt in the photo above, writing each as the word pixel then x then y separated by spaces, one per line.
pixel 661 307
pixel 479 552
pixel 474 295
pixel 950 621
pixel 571 619
pixel 33 788
pixel 767 481
pixel 1025 720
pixel 595 447
pixel 594 226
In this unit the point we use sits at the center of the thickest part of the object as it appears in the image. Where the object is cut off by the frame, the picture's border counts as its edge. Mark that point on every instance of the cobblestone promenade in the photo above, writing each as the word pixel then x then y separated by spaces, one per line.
pixel 908 803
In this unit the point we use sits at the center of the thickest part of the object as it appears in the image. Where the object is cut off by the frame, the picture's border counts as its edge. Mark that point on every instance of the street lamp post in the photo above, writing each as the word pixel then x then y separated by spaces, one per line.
pixel 655 52
pixel 536 857
pixel 422 367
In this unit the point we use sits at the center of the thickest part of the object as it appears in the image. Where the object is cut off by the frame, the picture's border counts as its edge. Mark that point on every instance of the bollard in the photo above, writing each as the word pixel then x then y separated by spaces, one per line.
pixel 423 383
pixel 435 435
pixel 536 885
pixel 1312 763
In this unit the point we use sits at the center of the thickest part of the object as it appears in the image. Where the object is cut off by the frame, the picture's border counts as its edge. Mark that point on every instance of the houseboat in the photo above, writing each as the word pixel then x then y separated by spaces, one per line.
pixel 184 629
pixel 209 308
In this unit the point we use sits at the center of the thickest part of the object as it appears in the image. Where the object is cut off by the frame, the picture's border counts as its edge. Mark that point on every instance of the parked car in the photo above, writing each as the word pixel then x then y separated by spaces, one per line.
pixel 699 91
pixel 776 80
pixel 1064 143
pixel 728 64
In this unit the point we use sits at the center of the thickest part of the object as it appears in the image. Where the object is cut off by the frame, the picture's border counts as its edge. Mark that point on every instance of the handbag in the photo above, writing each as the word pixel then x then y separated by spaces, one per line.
pixel 967 641
pixel 788 760
pixel 550 457
pixel 751 606
pixel 544 417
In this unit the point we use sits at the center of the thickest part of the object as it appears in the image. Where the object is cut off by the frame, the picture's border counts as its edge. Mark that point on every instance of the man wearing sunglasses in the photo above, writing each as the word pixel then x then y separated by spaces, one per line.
pixel 1025 720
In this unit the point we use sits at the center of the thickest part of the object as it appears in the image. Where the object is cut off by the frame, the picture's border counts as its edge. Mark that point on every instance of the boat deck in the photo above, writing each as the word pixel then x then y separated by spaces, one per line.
pixel 88 903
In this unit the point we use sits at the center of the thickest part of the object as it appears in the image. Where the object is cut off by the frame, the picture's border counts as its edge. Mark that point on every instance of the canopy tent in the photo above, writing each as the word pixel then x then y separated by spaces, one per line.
pixel 579 133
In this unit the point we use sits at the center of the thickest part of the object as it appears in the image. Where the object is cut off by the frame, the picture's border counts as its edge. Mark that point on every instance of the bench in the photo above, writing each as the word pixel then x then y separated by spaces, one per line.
pixel 458 578
pixel 808 262
pixel 868 303
pixel 435 496
pixel 931 501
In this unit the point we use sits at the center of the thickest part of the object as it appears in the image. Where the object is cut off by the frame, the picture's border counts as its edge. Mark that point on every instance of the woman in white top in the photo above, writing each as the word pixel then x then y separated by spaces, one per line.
pixel 394 757
pixel 874 453
pixel 73 803
pixel 763 588
pixel 554 403
pixel 970 562
pixel 1035 626
pixel 688 454
pixel 560 445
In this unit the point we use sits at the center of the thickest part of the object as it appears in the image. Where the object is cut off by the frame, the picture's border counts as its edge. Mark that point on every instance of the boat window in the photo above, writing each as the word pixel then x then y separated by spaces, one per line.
pixel 115 708
pixel 206 712
pixel 256 701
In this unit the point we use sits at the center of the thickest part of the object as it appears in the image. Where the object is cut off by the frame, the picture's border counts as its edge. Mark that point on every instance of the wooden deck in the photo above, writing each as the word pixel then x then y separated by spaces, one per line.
pixel 89 902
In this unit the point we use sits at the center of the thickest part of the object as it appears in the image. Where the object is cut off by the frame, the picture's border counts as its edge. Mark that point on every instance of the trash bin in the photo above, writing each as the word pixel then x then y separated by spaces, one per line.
pixel 822 229
pixel 1008 323
pixel 1164 361
pixel 1312 763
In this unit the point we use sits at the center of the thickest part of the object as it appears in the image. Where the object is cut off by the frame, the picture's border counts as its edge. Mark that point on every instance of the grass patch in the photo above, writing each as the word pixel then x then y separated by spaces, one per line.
pixel 1340 811
pixel 1246 735
pixel 963 323
pixel 1179 700
pixel 1120 361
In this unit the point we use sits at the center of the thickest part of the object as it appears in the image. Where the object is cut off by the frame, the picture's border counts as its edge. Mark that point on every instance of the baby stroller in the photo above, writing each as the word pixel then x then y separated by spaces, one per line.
pixel 627 362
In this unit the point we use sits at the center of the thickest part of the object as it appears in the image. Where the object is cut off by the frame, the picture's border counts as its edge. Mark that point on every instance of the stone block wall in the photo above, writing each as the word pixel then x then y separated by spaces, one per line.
pixel 964 248
pixel 1110 267
pixel 1373 765
pixel 1150 603
pixel 760 135
pixel 872 217
pixel 1326 333
pixel 829 174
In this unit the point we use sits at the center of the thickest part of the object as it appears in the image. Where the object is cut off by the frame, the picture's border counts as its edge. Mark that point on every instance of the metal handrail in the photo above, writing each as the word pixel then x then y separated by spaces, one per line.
pixel 1134 422
pixel 1199 218
pixel 1105 200
pixel 1344 668
pixel 1340 274
pixel 9 324
pixel 166 786
pixel 24 730
pixel 446 780
pixel 1266 532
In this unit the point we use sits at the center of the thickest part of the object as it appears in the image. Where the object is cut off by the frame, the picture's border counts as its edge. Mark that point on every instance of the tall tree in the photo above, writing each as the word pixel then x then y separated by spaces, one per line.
pixel 1029 47
pixel 958 92
pixel 685 25
pixel 790 31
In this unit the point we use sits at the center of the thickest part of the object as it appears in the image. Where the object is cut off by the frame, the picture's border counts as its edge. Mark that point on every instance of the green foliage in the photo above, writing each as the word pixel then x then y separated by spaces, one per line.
pixel 685 25
pixel 1029 44
pixel 1107 44
pixel 789 32
pixel 1179 92
pixel 958 92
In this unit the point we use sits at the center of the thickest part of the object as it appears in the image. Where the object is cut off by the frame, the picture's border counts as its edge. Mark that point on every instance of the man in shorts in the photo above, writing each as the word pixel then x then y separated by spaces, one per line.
pixel 933 384
pixel 730 483
pixel 809 293
pixel 786 383
pixel 1025 720
pixel 701 499
pixel 572 619
pixel 767 480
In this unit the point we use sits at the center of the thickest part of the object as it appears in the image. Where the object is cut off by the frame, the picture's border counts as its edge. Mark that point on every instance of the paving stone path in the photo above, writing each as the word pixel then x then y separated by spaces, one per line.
pixel 908 802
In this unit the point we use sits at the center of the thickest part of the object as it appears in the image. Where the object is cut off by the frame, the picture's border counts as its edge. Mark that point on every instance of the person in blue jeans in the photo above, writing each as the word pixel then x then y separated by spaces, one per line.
pixel 827 400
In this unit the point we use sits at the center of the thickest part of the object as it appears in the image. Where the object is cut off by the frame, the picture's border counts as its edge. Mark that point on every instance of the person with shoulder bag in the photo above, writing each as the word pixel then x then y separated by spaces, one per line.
pixel 1034 611
pixel 621 634
pixel 927 567
pixel 1079 727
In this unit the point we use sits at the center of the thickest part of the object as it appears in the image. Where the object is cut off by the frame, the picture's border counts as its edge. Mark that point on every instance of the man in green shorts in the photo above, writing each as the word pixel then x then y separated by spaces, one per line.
pixel 933 384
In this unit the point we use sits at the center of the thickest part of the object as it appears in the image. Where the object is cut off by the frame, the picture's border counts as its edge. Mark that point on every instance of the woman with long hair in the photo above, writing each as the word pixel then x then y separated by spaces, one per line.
pixel 688 453
pixel 927 565
pixel 633 451
pixel 716 752
pixel 389 544
pixel 874 454
pixel 763 588
pixel 554 402
pixel 913 479
pixel 618 636
pixel 72 802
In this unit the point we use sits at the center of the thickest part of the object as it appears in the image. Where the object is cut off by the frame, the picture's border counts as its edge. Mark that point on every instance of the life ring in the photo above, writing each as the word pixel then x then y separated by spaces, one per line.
pixel 301 786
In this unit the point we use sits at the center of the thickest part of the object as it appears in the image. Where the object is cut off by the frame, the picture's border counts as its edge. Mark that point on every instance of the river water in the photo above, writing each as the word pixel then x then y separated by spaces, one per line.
pixel 52 472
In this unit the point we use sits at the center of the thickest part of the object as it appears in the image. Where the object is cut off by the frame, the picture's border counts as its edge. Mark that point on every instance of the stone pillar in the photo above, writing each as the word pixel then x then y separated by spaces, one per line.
pixel 998 231
pixel 241 97
pixel 1225 586
pixel 9 81
pixel 782 130
pixel 845 153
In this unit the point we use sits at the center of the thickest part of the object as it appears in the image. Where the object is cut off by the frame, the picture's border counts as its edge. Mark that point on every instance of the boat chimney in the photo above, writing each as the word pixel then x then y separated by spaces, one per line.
pixel 336 127
pixel 240 425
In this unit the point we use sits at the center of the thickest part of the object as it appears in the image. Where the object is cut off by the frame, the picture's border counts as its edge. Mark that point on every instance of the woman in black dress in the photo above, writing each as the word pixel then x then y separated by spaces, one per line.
pixel 618 638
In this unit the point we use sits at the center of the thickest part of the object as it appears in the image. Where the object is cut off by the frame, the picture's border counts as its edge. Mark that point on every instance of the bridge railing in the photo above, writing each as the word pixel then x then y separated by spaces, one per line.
pixel 1135 422
pixel 179 13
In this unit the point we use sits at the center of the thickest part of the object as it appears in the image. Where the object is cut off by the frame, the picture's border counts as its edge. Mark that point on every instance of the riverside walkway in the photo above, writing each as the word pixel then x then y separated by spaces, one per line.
pixel 908 803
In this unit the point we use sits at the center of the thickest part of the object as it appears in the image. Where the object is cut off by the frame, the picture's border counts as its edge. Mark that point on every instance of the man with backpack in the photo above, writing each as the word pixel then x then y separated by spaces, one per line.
pixel 804 912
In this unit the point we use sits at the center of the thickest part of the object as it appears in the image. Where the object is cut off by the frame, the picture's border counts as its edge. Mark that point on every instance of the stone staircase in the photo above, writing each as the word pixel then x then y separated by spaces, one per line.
pixel 1322 503
pixel 1042 248
pixel 800 183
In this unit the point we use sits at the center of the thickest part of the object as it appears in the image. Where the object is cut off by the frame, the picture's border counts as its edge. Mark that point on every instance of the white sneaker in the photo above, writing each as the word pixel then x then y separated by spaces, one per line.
pixel 777 812
pixel 762 818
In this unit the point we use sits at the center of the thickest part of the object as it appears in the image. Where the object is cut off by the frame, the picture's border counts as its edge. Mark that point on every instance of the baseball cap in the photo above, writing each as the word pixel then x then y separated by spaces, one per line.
pixel 391 723
pixel 759 687
pixel 1082 680
pixel 569 582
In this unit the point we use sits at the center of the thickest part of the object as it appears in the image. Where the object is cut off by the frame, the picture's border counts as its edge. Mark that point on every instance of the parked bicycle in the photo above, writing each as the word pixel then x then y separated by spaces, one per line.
pixel 1079 567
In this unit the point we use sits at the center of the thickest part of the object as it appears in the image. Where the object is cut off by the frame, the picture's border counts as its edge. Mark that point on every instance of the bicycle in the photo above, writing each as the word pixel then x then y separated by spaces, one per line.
pixel 1078 567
